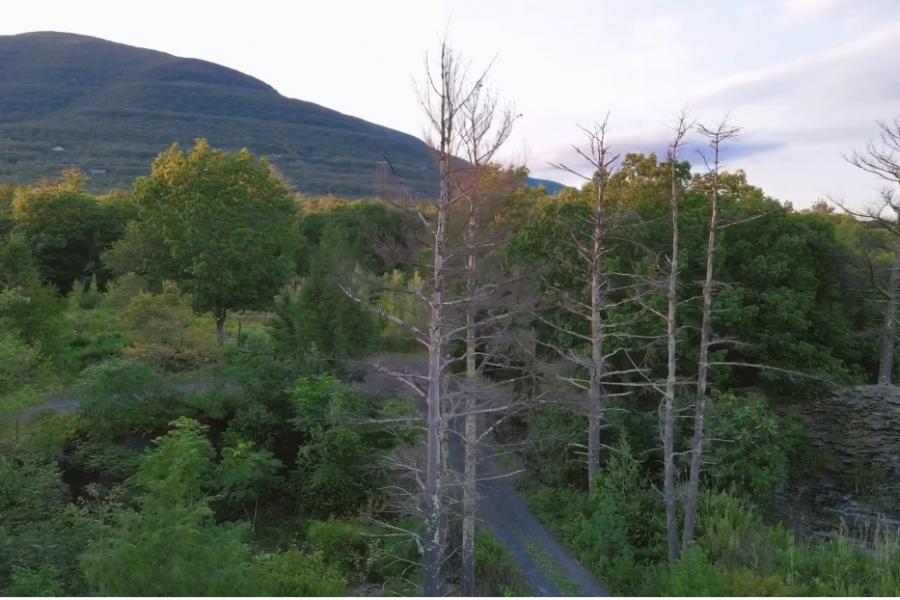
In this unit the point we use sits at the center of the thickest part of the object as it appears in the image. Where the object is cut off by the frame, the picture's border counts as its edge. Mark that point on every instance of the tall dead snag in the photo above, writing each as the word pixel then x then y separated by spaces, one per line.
pixel 447 97
pixel 717 137
pixel 442 100
pixel 485 126
pixel 882 159
pixel 599 158
pixel 668 416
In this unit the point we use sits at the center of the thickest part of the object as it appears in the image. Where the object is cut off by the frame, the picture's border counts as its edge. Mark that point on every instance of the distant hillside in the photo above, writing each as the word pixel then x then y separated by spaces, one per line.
pixel 109 109
pixel 112 108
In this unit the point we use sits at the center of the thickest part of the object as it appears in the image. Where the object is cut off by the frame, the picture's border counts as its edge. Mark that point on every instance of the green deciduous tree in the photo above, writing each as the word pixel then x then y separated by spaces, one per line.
pixel 218 224
pixel 28 308
pixel 68 228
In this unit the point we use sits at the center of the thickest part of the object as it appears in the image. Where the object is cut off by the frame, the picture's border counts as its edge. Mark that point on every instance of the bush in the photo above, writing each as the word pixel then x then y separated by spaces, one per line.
pixel 617 533
pixel 20 363
pixel 751 447
pixel 39 581
pixel 293 573
pixel 344 544
pixel 120 396
pixel 37 548
pixel 332 463
pixel 363 553
pixel 161 326
pixel 245 473
pixel 693 575
pixel 495 572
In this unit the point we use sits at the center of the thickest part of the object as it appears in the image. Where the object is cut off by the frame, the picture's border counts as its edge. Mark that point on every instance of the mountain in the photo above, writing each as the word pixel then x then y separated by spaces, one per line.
pixel 109 109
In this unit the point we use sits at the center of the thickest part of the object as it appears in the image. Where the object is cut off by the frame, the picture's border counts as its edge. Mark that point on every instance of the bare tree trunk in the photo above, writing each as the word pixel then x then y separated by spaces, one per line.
pixel 434 538
pixel 717 137
pixel 693 491
pixel 668 428
pixel 597 155
pixel 485 127
pixel 889 329
pixel 596 397
pixel 220 327
pixel 471 427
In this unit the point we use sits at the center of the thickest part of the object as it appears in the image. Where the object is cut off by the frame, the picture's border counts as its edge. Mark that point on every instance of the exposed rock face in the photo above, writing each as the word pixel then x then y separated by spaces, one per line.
pixel 851 477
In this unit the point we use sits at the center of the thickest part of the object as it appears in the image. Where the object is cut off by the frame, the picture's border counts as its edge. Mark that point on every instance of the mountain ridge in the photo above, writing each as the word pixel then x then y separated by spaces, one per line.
pixel 107 108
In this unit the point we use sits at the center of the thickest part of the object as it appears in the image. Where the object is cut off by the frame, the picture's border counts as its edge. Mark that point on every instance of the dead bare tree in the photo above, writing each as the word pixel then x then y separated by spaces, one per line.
pixel 717 136
pixel 600 159
pixel 485 126
pixel 462 118
pixel 668 414
pixel 883 160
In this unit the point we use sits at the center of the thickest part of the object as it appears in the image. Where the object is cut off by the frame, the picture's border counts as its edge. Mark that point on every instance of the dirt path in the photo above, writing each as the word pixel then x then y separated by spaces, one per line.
pixel 546 566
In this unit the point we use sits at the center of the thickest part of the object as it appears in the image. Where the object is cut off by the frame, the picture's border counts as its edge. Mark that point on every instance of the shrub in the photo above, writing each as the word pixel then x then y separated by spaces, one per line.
pixel 120 396
pixel 161 326
pixel 495 572
pixel 245 473
pixel 364 553
pixel 751 448
pixel 20 363
pixel 39 581
pixel 343 544
pixel 293 573
pixel 693 575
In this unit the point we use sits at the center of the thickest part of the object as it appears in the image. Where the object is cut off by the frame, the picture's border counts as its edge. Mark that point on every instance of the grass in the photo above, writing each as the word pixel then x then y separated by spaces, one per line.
pixel 551 569
pixel 496 572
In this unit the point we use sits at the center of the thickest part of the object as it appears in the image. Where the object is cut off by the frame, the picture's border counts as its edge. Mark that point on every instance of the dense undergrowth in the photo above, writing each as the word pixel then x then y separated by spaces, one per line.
pixel 618 533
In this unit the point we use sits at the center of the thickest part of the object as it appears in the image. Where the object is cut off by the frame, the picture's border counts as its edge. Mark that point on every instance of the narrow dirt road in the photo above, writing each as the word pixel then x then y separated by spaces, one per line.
pixel 546 566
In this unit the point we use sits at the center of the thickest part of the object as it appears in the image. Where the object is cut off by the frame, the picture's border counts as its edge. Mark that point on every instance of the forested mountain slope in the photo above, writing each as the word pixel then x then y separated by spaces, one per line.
pixel 109 108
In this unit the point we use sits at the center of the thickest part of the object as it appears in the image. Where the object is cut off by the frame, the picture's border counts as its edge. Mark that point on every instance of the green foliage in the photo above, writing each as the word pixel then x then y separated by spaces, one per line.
pixel 164 332
pixel 496 574
pixel 295 574
pixel 319 319
pixel 180 469
pixel 118 396
pixel 28 308
pixel 170 544
pixel 331 465
pixel 693 576
pixel 398 298
pixel 751 446
pixel 37 546
pixel 245 473
pixel 169 551
pixel 216 223
pixel 20 363
pixel 372 235
pixel 68 229
pixel 363 553
pixel 549 453
pixel 40 581
pixel 617 533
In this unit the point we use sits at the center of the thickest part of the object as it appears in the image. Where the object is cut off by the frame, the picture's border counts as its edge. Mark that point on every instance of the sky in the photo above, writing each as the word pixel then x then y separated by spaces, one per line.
pixel 804 79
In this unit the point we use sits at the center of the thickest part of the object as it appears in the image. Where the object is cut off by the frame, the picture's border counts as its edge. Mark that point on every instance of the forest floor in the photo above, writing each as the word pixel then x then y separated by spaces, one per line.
pixel 546 566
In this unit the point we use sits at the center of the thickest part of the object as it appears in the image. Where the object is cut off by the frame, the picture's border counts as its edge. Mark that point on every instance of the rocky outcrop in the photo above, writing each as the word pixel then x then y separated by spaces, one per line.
pixel 849 475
